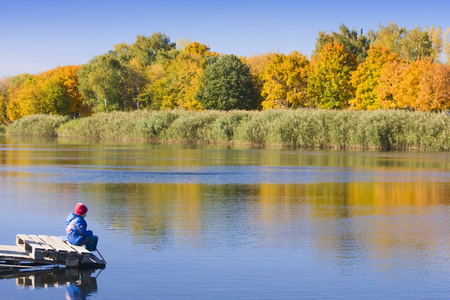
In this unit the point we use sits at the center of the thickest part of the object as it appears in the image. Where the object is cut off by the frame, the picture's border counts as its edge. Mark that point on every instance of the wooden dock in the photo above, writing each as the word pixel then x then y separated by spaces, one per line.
pixel 35 250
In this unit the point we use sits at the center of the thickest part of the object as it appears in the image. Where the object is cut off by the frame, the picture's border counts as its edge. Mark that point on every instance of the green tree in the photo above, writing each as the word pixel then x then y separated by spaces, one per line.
pixel 390 36
pixel 101 81
pixel 146 49
pixel 416 44
pixel 227 85
pixel 115 80
pixel 354 43
pixel 329 82
pixel 285 81
pixel 408 44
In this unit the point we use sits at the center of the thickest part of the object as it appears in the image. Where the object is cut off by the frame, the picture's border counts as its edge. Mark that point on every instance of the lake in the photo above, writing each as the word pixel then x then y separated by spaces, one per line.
pixel 219 222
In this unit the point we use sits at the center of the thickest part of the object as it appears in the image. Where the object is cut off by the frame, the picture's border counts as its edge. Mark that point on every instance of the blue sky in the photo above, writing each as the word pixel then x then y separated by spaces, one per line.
pixel 37 35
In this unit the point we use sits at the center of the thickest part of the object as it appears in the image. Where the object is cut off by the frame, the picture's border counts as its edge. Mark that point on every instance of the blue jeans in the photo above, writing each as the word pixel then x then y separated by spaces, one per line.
pixel 90 242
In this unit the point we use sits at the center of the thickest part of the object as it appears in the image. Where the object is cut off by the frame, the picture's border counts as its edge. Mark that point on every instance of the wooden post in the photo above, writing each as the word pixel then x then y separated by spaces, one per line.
pixel 72 262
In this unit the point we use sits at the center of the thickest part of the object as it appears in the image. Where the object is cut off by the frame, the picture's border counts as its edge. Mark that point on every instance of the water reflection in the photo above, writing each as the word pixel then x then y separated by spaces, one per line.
pixel 79 284
pixel 346 218
pixel 294 214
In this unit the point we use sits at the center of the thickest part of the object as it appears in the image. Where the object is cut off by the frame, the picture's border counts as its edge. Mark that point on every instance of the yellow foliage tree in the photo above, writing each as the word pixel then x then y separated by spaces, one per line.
pixel 285 81
pixel 447 45
pixel 367 77
pixel 180 82
pixel 436 39
pixel 4 88
pixel 198 48
pixel 257 64
pixel 52 92
pixel 329 82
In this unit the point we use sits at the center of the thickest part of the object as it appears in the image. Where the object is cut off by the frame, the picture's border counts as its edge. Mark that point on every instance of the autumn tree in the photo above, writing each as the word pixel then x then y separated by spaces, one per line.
pixel 257 65
pixel 329 81
pixel 181 79
pixel 114 81
pixel 437 41
pixel 147 49
pixel 408 44
pixel 199 48
pixel 447 45
pixel 227 85
pixel 52 92
pixel 353 42
pixel 285 81
pixel 366 78
pixel 390 36
pixel 4 87
pixel 391 78
pixel 13 104
pixel 101 80
pixel 420 85
pixel 434 92
pixel 416 44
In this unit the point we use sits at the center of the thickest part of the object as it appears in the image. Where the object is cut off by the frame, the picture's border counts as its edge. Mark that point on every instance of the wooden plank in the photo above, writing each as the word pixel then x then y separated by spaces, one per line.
pixel 39 249
pixel 58 241
pixel 79 249
pixel 27 243
pixel 30 246
pixel 85 255
pixel 53 244
pixel 42 242
pixel 13 252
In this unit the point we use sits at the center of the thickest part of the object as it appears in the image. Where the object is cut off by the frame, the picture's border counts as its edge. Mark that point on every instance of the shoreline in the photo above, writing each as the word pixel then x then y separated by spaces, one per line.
pixel 296 129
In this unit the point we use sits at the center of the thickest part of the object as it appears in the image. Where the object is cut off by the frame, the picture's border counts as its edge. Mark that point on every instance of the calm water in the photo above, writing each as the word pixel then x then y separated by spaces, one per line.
pixel 213 222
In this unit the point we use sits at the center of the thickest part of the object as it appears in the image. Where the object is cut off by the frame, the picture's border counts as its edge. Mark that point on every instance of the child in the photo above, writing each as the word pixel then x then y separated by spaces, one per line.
pixel 77 233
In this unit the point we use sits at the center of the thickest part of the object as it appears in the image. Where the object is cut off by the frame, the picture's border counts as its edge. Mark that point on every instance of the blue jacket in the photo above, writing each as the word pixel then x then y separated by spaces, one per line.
pixel 76 229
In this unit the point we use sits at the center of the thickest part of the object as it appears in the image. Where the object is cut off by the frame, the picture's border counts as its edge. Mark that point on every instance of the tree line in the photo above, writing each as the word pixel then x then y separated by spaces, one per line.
pixel 392 68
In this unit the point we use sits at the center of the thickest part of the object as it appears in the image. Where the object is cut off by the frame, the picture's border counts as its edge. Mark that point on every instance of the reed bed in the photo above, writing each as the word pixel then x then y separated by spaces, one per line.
pixel 37 125
pixel 303 128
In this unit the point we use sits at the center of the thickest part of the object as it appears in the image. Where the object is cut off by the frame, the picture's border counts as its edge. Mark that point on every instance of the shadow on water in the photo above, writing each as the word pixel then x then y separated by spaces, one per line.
pixel 79 283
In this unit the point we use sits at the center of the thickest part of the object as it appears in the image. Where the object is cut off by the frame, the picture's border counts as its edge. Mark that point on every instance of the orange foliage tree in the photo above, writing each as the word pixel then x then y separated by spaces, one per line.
pixel 419 85
pixel 52 92
pixel 434 93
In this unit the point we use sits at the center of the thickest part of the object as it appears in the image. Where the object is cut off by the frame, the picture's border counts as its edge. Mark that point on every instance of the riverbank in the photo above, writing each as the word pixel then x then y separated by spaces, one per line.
pixel 305 128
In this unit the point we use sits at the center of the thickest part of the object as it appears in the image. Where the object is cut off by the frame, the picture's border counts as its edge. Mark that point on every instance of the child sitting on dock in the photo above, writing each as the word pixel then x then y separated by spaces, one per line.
pixel 77 233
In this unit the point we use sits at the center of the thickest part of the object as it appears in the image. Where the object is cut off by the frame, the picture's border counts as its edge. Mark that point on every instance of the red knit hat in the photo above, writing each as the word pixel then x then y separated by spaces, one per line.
pixel 80 209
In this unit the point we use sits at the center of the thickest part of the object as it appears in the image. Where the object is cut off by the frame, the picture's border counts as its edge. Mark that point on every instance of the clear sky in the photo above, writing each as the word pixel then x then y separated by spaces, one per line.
pixel 38 35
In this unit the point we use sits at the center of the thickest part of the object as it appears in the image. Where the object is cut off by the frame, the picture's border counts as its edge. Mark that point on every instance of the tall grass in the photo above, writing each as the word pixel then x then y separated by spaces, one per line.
pixel 2 129
pixel 120 125
pixel 304 128
pixel 36 125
